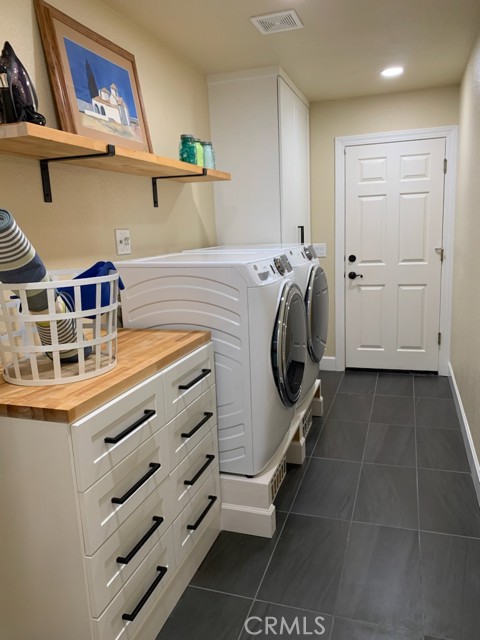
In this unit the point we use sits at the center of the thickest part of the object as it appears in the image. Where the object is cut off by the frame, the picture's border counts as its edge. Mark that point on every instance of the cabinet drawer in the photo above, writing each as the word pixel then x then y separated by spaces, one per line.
pixel 139 594
pixel 198 515
pixel 187 379
pixel 189 427
pixel 117 559
pixel 125 422
pixel 188 477
pixel 116 496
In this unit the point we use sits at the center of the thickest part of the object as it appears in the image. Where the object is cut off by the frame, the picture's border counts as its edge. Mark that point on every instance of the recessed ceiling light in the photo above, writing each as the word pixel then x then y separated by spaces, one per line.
pixel 392 72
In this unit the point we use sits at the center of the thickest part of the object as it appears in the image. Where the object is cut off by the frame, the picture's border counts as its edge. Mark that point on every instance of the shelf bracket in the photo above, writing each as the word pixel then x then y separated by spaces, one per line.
pixel 184 175
pixel 45 173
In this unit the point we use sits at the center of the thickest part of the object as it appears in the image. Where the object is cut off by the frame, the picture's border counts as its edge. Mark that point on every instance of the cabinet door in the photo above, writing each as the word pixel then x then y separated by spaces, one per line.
pixel 244 125
pixel 294 130
pixel 106 436
pixel 187 379
pixel 111 500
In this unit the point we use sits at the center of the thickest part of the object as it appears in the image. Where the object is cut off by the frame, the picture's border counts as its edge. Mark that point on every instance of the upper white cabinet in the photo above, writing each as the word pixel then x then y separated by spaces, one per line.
pixel 260 128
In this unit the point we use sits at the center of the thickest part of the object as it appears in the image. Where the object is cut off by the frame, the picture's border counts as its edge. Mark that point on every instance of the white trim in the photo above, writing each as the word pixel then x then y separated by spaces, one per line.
pixel 467 434
pixel 249 520
pixel 328 363
pixel 258 72
pixel 450 135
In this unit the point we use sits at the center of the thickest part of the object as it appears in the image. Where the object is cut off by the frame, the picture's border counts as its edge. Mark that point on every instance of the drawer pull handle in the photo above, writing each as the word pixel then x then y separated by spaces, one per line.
pixel 154 467
pixel 208 415
pixel 157 522
pixel 147 414
pixel 210 459
pixel 131 616
pixel 190 384
pixel 194 527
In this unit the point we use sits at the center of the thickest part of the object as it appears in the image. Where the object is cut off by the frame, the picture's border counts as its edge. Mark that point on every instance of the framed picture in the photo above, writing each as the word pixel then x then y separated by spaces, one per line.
pixel 94 81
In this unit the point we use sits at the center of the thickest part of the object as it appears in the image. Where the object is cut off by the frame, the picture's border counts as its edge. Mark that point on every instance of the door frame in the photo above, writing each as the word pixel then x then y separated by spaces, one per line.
pixel 450 134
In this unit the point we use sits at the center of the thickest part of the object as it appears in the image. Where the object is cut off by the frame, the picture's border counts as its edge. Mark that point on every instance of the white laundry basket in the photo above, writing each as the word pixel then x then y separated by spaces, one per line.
pixel 92 312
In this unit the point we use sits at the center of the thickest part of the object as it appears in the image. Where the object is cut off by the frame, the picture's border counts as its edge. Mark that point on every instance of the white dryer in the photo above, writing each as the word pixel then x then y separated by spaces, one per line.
pixel 312 281
pixel 256 314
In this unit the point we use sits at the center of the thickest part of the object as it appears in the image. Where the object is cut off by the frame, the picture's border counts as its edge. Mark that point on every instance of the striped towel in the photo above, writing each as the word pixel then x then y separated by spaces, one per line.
pixel 20 263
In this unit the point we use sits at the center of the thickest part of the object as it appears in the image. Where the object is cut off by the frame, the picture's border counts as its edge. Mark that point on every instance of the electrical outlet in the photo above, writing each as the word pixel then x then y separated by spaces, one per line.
pixel 122 238
pixel 321 249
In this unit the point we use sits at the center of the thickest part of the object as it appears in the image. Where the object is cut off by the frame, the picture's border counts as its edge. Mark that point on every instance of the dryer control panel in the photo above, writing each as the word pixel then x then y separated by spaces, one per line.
pixel 310 252
pixel 271 269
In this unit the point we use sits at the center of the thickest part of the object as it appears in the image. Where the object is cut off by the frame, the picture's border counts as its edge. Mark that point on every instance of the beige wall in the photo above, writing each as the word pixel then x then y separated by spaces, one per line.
pixel 328 120
pixel 78 227
pixel 465 354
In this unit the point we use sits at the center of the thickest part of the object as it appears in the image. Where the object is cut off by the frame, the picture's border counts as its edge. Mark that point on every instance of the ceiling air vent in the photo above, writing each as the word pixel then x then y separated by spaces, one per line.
pixel 275 22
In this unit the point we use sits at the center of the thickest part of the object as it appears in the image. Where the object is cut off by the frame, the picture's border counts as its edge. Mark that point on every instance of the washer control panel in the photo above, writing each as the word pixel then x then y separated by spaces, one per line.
pixel 286 263
pixel 279 265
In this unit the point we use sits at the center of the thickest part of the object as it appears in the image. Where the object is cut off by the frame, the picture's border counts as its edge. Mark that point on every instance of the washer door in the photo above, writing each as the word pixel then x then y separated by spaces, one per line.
pixel 288 344
pixel 316 305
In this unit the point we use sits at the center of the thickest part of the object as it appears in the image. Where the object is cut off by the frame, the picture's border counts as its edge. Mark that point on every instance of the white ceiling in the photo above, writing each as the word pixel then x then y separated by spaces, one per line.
pixel 341 49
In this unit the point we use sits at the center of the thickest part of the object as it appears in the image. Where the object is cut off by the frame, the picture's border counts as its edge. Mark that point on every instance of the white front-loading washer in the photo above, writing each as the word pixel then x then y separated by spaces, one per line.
pixel 256 315
pixel 312 281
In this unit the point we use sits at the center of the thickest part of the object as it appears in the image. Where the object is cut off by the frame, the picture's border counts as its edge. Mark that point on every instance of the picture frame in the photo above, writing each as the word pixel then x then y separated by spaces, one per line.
pixel 94 81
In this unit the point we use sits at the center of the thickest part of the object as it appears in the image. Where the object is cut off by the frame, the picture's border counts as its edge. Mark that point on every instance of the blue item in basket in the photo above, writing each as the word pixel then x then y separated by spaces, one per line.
pixel 89 291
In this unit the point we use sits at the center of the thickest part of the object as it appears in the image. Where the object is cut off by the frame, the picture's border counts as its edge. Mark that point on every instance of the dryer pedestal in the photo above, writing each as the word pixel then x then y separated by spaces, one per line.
pixel 247 503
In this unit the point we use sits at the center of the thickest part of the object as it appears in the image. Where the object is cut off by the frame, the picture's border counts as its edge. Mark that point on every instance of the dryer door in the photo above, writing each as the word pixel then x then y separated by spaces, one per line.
pixel 316 305
pixel 289 344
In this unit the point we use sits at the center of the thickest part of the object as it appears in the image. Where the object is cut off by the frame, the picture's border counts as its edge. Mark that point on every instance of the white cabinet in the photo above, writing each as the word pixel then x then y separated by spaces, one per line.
pixel 106 518
pixel 260 129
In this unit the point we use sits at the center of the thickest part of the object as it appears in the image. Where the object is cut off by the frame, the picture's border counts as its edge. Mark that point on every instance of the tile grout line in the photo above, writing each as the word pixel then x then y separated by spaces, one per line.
pixel 342 571
pixel 254 600
pixel 385 526
pixel 395 466
pixel 261 579
pixel 289 512
pixel 420 568
pixel 289 606
pixel 223 593
pixel 313 451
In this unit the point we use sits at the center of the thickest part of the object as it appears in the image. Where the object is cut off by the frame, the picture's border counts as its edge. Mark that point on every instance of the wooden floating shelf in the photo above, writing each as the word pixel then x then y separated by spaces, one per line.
pixel 42 143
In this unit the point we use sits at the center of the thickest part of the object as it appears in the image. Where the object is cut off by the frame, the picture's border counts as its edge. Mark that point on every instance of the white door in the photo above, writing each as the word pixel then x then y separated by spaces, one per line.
pixel 393 228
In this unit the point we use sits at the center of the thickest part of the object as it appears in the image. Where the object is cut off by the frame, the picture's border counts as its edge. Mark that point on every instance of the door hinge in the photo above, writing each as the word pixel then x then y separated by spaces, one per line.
pixel 439 338
pixel 441 253
pixel 445 164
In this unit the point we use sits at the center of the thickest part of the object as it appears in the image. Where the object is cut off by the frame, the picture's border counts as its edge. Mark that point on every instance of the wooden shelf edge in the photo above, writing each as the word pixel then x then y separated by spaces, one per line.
pixel 33 141
pixel 212 175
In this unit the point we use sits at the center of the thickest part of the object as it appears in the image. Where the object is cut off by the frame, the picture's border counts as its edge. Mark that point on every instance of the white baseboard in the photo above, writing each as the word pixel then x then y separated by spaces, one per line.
pixel 328 363
pixel 467 434
pixel 248 520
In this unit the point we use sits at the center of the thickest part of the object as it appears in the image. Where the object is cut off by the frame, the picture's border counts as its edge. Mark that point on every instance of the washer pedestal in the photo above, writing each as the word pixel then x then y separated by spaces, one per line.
pixel 310 408
pixel 247 503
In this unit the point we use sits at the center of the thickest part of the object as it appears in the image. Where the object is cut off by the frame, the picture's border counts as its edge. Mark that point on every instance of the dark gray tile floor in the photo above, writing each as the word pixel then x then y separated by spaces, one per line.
pixel 378 532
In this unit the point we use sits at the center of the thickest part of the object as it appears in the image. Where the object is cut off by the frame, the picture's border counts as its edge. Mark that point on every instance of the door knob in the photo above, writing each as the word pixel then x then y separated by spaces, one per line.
pixel 352 275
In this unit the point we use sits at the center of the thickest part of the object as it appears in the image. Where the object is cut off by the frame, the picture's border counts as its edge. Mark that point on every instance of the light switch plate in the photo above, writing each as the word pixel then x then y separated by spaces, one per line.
pixel 122 238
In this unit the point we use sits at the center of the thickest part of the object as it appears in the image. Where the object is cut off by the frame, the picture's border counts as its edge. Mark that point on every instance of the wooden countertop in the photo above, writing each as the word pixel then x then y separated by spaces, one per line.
pixel 141 353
